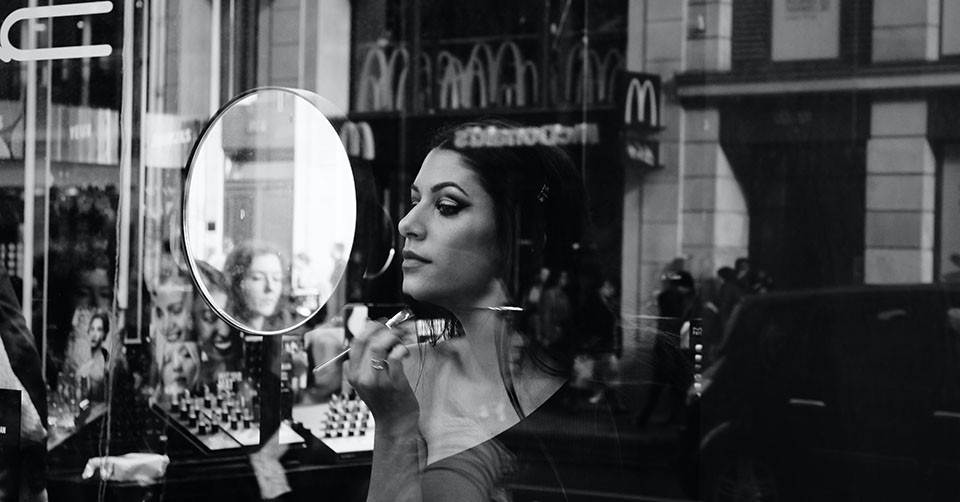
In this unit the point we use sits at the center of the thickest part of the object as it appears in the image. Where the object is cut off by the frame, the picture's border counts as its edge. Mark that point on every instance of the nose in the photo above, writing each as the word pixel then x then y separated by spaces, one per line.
pixel 410 226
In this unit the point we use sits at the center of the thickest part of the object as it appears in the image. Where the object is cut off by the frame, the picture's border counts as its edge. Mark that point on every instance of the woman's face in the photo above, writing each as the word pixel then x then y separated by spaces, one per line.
pixel 451 255
pixel 180 367
pixel 262 285
pixel 96 332
pixel 212 332
pixel 171 311
pixel 93 290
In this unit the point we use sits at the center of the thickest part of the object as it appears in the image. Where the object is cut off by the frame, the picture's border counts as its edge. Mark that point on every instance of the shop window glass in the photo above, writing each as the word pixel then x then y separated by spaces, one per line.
pixel 92 179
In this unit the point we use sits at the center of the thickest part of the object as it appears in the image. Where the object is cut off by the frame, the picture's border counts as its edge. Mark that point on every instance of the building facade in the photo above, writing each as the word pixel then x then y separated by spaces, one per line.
pixel 824 158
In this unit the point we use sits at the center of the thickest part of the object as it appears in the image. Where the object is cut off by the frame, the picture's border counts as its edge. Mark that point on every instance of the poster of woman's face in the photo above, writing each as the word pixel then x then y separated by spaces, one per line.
pixel 94 289
pixel 171 322
pixel 179 367
pixel 93 331
pixel 170 315
pixel 92 354
pixel 97 331
pixel 212 333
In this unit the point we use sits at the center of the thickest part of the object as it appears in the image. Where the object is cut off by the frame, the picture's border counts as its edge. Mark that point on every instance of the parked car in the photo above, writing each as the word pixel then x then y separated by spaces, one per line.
pixel 843 394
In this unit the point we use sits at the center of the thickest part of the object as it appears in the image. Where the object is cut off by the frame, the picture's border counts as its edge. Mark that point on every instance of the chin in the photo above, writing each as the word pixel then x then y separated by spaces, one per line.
pixel 416 289
pixel 434 298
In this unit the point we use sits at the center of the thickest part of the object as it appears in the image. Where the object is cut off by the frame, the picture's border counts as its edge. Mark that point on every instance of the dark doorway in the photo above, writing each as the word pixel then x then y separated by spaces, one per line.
pixel 806 204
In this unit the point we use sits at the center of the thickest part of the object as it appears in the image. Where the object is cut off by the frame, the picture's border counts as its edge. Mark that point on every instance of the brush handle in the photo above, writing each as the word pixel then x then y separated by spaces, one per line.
pixel 399 317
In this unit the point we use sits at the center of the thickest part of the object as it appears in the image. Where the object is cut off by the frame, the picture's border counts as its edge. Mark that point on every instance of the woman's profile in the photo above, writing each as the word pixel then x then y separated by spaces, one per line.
pixel 458 418
pixel 258 282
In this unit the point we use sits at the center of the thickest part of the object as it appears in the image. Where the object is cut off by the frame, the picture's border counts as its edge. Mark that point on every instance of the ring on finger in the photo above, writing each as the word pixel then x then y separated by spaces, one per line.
pixel 378 364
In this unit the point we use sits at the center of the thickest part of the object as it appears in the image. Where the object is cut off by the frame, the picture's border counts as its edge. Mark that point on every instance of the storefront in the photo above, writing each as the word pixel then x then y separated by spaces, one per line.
pixel 102 137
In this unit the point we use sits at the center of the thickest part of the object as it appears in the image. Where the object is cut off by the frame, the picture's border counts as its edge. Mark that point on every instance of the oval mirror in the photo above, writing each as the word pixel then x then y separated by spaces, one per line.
pixel 269 209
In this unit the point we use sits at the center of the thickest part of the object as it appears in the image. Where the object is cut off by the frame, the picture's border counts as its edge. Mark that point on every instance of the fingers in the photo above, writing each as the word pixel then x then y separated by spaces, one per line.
pixel 395 359
pixel 398 353
pixel 358 346
pixel 381 343
pixel 372 351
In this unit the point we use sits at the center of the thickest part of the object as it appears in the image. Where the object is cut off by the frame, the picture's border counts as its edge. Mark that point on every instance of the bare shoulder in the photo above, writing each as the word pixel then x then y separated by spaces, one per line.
pixel 536 387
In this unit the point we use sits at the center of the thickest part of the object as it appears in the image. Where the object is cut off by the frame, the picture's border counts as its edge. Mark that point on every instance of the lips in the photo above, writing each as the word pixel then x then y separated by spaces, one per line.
pixel 222 344
pixel 267 305
pixel 411 259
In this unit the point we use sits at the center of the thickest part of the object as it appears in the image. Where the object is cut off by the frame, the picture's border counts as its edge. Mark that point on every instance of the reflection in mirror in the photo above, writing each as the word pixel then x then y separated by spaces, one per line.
pixel 270 204
pixel 383 251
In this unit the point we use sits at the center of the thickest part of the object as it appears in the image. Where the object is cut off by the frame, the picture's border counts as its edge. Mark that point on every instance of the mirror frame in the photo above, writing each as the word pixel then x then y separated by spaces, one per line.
pixel 319 104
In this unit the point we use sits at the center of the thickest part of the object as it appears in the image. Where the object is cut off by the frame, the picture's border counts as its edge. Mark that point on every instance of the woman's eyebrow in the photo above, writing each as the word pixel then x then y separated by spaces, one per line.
pixel 440 186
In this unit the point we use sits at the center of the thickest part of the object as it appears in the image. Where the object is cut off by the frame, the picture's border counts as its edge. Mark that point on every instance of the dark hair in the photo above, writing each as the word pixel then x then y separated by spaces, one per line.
pixel 235 269
pixel 104 318
pixel 728 274
pixel 680 278
pixel 213 278
pixel 540 211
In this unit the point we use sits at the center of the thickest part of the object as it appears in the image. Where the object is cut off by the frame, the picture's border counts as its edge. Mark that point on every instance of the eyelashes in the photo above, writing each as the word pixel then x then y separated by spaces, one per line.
pixel 447 208
pixel 444 206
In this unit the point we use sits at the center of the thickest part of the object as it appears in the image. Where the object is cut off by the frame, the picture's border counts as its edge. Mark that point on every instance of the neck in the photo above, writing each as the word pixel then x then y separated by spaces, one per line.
pixel 483 328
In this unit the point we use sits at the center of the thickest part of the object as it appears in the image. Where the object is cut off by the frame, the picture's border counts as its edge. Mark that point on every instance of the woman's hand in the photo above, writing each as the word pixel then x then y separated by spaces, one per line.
pixel 376 372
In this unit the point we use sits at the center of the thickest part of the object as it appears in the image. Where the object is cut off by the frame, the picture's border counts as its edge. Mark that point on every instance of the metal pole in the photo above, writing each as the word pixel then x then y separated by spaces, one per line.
pixel 122 283
pixel 29 177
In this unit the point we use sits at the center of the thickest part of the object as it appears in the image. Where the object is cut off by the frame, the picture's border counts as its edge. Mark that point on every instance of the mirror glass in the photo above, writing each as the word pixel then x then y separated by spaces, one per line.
pixel 269 209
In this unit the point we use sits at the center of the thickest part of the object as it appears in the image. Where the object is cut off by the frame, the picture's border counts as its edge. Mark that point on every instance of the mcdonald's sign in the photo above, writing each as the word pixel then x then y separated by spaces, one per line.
pixel 640 101
pixel 357 138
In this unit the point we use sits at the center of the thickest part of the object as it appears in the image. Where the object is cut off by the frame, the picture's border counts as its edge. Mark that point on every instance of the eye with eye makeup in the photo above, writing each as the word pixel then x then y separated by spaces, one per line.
pixel 448 208
pixel 208 316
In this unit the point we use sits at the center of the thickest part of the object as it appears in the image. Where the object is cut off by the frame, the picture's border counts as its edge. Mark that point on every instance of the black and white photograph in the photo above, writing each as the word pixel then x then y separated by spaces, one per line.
pixel 483 250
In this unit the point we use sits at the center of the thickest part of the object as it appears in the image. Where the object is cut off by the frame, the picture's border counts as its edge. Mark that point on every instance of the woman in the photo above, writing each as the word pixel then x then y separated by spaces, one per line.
pixel 172 299
pixel 258 287
pixel 92 373
pixel 458 418
pixel 179 367
pixel 556 317
pixel 600 323
pixel 221 348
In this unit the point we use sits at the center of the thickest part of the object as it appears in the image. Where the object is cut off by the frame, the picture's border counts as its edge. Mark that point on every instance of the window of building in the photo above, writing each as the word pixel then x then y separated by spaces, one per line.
pixel 950 28
pixel 805 30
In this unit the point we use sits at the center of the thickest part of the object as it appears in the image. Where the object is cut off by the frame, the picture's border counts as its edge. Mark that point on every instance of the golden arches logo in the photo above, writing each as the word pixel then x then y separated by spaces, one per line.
pixel 357 138
pixel 641 97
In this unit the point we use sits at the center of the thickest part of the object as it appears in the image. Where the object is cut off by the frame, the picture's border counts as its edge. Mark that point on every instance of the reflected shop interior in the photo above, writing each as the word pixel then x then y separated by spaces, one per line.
pixel 610 250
